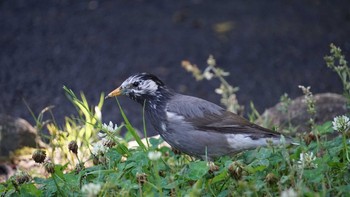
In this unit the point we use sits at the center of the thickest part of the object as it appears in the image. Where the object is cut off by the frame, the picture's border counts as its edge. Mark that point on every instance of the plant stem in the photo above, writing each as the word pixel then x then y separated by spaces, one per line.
pixel 345 146
pixel 156 173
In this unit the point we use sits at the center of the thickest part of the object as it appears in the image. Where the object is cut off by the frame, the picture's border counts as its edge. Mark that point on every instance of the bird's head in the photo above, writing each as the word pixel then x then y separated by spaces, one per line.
pixel 140 87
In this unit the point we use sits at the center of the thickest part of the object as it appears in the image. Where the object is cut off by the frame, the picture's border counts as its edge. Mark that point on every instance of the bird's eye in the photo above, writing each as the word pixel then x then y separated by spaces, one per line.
pixel 136 83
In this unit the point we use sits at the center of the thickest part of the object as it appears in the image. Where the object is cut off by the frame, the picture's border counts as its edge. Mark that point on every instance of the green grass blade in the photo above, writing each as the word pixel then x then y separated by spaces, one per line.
pixel 130 128
pixel 144 124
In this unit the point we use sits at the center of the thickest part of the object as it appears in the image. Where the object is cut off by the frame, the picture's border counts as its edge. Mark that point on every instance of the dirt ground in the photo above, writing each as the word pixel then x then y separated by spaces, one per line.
pixel 269 47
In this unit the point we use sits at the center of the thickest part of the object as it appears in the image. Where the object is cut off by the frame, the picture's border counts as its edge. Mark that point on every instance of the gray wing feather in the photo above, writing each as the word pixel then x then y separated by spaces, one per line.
pixel 192 107
pixel 210 117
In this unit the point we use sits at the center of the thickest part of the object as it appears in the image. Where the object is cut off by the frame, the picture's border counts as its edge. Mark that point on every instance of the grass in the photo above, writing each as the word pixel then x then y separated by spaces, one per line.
pixel 317 167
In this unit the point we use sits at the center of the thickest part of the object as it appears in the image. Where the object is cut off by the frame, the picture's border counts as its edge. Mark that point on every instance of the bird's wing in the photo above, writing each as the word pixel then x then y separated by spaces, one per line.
pixel 207 116
pixel 230 123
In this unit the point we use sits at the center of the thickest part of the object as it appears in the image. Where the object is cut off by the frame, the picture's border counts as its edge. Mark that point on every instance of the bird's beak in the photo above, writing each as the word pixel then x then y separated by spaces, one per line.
pixel 115 93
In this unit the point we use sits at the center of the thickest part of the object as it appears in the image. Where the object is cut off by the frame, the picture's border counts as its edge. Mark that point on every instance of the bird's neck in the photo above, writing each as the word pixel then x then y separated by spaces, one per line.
pixel 155 108
pixel 157 103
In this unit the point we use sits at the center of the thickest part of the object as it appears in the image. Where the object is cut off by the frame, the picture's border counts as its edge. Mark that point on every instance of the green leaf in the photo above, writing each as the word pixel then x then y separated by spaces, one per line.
pixel 155 141
pixel 258 165
pixel 345 189
pixel 197 170
pixel 264 153
pixel 325 128
pixel 122 149
pixel 30 190
pixel 313 176
pixel 113 155
pixel 59 170
pixel 224 193
pixel 220 177
pixel 284 179
pixel 170 185
pixel 11 192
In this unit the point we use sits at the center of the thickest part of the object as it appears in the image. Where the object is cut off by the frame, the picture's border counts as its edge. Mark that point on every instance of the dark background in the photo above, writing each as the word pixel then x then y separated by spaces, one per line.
pixel 270 48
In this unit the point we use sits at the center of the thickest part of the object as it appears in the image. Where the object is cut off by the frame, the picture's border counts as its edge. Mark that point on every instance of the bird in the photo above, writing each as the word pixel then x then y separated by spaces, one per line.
pixel 192 125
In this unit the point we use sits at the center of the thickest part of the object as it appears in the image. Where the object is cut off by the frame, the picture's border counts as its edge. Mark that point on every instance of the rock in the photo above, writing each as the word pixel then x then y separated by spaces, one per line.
pixel 328 105
pixel 133 144
pixel 16 133
pixel 5 172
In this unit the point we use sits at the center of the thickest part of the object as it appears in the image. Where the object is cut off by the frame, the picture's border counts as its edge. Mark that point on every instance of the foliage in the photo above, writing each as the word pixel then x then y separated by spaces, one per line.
pixel 337 62
pixel 309 100
pixel 261 172
pixel 227 91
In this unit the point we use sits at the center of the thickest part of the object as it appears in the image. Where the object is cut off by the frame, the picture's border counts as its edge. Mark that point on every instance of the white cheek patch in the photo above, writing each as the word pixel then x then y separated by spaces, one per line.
pixel 148 86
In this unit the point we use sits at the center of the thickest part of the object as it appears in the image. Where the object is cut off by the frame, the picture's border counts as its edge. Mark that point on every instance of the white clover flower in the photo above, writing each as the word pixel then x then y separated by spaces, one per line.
pixel 341 123
pixel 289 193
pixel 91 189
pixel 110 127
pixel 109 138
pixel 154 155
pixel 307 160
pixel 99 148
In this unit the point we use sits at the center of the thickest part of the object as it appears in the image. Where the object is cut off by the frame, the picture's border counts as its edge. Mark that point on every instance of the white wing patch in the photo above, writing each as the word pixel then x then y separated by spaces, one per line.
pixel 244 141
pixel 174 116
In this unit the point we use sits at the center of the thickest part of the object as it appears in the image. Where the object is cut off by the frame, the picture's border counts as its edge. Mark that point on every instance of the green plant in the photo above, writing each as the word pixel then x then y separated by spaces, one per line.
pixel 154 170
pixel 309 100
pixel 336 61
pixel 227 91
pixel 82 129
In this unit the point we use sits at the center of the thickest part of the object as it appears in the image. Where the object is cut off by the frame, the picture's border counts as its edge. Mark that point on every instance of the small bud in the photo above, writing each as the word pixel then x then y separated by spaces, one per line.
pixel 95 160
pixel 79 167
pixel 166 154
pixel 271 178
pixel 308 138
pixel 162 173
pixel 49 167
pixel 108 143
pixel 320 153
pixel 176 152
pixel 141 178
pixel 211 61
pixel 236 170
pixel 102 160
pixel 22 177
pixel 213 168
pixel 39 156
pixel 172 192
pixel 73 146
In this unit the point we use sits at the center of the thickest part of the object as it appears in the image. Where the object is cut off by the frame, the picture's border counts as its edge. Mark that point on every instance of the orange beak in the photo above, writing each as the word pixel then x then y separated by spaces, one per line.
pixel 115 93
